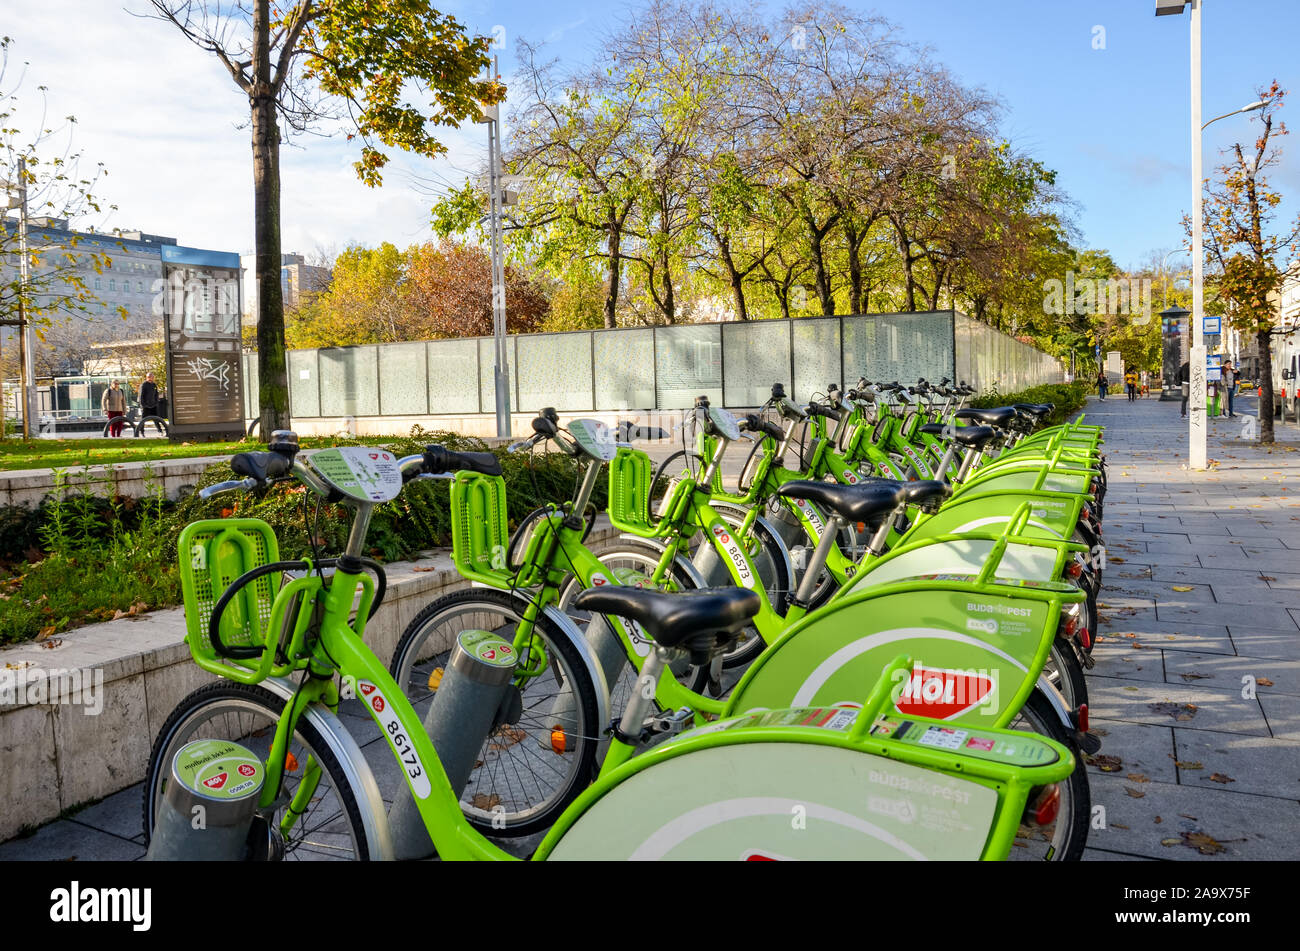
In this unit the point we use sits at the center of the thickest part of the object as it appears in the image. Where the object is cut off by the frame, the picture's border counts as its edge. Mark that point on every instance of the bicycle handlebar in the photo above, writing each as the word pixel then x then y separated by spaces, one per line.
pixel 229 485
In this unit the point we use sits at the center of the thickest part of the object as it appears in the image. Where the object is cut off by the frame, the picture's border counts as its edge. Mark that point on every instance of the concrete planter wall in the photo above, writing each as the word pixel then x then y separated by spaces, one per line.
pixel 55 756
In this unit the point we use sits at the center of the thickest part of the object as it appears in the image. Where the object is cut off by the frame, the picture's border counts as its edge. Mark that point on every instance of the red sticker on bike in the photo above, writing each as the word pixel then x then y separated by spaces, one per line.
pixel 217 781
pixel 942 694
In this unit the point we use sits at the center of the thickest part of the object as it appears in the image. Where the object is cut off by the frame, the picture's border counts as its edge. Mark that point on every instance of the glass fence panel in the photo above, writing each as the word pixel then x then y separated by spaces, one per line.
pixel 487 374
pixel 403 387
pixel 755 354
pixel 816 357
pixel 349 381
pixel 555 370
pixel 304 383
pixel 688 363
pixel 624 372
pixel 453 376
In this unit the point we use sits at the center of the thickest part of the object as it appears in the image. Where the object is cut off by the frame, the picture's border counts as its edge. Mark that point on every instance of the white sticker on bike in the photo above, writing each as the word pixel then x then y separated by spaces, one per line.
pixel 401 744
pixel 737 555
pixel 809 511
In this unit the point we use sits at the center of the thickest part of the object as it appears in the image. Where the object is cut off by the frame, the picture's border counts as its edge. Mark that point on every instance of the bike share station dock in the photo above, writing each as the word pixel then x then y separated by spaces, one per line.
pixel 1196 690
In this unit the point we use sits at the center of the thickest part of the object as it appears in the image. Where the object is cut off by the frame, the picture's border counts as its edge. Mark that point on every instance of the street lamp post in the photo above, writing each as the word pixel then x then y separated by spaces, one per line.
pixel 26 349
pixel 1196 455
pixel 501 368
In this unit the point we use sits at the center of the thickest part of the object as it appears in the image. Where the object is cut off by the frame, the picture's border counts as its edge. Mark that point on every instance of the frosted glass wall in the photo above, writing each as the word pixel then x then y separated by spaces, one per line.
pixel 734 364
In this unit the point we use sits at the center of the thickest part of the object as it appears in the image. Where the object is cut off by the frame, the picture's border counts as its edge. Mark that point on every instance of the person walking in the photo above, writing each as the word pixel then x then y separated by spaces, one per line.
pixel 149 396
pixel 114 405
pixel 1228 374
pixel 1146 383
pixel 1102 384
pixel 1131 384
pixel 1185 380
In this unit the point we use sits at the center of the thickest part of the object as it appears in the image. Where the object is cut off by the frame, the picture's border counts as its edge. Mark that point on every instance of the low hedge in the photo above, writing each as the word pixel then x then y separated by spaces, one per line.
pixel 1067 398
pixel 122 552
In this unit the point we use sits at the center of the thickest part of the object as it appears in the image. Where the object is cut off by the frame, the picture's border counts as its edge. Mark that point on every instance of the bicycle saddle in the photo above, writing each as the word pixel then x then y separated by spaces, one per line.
pixel 691 619
pixel 1000 416
pixel 864 502
pixel 1035 409
pixel 977 436
pixel 927 493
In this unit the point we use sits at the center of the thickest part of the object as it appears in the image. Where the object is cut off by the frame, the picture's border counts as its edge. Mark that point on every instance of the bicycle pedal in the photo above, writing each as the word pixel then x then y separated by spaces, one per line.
pixel 671 722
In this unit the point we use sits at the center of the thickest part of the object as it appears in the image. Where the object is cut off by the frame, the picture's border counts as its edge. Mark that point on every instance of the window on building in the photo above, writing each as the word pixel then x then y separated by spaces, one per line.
pixel 98 283
pixel 112 284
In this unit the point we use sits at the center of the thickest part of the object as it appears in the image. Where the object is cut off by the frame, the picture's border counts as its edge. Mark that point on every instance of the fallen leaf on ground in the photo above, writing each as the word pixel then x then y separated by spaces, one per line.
pixel 1107 764
pixel 1220 778
pixel 1203 843
pixel 1183 711
pixel 1189 764
pixel 52 643
pixel 1196 676
pixel 1138 778
pixel 430 568
pixel 45 632
pixel 1171 841
pixel 1118 825
pixel 1135 793
pixel 1159 820
pixel 1182 587
pixel 1263 681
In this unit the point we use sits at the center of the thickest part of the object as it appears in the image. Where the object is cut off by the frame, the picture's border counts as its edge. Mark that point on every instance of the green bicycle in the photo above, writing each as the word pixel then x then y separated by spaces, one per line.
pixel 726 791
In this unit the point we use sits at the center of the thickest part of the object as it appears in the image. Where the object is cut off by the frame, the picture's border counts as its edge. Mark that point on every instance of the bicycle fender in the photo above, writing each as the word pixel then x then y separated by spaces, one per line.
pixel 759 521
pixel 374 814
pixel 1059 706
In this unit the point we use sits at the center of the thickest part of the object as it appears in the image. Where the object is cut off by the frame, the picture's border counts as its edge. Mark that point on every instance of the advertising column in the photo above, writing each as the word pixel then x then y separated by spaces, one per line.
pixel 204 372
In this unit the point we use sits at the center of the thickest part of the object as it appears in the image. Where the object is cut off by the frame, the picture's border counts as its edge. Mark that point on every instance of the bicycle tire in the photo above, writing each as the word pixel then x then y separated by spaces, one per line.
pixel 331 818
pixel 510 793
pixel 1065 672
pixel 1070 830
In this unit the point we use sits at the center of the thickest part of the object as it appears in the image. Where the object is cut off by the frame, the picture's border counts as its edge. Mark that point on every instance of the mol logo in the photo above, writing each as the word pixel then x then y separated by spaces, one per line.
pixel 983 625
pixel 850 477
pixel 942 693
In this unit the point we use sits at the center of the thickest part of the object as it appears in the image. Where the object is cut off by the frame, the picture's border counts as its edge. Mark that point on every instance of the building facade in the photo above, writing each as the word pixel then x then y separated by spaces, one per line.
pixel 299 282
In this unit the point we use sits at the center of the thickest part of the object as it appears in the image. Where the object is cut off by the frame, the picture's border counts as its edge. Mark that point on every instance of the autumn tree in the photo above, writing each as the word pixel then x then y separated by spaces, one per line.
pixel 1243 246
pixel 311 63
pixel 368 301
pixel 451 293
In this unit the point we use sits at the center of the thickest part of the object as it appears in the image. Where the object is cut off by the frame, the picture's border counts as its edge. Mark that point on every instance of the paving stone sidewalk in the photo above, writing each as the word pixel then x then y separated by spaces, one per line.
pixel 1196 692
pixel 1202 592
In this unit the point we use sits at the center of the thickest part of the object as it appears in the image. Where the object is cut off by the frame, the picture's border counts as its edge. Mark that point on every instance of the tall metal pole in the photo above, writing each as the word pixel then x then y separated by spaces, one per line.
pixel 1196 418
pixel 25 346
pixel 501 369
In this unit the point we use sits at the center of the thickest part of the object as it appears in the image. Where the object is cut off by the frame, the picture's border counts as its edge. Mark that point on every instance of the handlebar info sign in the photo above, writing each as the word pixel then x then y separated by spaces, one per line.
pixel 201 316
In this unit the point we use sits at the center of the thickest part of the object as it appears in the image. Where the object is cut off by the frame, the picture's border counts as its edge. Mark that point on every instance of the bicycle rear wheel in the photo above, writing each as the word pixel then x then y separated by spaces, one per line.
pixel 1062 840
pixel 330 828
pixel 532 766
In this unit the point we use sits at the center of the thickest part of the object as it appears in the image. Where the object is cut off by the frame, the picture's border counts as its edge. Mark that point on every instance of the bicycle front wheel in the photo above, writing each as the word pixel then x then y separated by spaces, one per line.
pixel 532 766
pixel 330 828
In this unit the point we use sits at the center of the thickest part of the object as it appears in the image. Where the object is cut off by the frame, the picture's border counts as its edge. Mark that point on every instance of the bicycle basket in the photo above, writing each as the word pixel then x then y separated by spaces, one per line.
pixel 213 554
pixel 479 528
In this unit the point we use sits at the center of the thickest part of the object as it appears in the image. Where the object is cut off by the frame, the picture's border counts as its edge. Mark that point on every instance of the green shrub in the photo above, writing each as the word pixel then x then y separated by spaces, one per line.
pixel 122 552
pixel 1068 398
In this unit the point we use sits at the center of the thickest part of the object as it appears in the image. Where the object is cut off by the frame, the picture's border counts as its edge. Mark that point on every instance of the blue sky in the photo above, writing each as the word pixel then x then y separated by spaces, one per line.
pixel 1113 121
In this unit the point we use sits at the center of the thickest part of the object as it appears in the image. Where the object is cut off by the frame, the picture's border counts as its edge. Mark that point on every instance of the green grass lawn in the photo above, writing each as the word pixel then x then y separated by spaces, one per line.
pixel 50 453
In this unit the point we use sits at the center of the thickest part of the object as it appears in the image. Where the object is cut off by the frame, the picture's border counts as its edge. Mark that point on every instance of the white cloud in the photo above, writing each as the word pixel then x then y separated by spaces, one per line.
pixel 171 128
